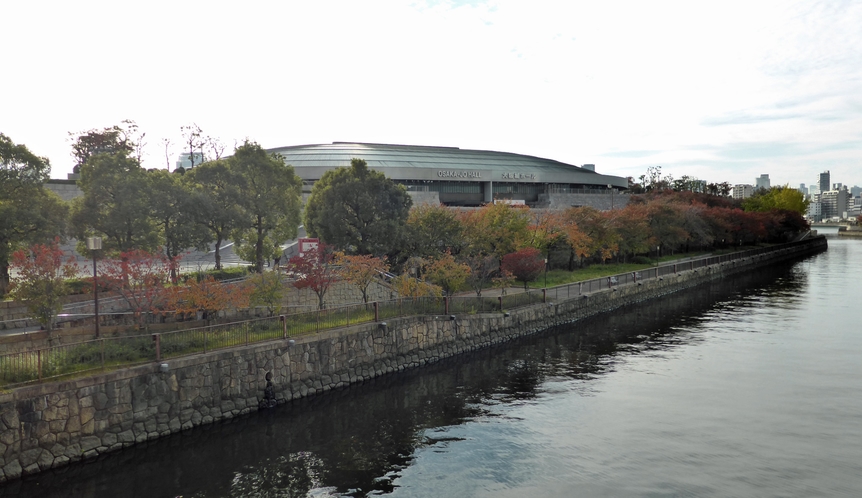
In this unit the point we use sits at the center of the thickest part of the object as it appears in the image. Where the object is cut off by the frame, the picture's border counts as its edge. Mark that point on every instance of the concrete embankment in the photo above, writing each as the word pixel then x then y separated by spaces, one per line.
pixel 51 425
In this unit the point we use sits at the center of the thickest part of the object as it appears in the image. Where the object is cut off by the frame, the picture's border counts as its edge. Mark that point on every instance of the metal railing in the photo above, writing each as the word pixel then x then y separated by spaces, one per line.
pixel 110 352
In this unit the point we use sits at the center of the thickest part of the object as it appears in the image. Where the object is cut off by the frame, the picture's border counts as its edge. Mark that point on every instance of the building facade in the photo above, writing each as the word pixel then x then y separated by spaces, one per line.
pixel 742 191
pixel 762 182
pixel 453 176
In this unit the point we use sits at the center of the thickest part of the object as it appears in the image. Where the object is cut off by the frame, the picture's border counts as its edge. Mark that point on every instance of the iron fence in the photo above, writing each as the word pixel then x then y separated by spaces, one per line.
pixel 110 352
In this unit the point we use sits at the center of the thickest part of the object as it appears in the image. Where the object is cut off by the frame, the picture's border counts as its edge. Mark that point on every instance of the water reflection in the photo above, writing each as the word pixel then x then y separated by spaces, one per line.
pixel 358 441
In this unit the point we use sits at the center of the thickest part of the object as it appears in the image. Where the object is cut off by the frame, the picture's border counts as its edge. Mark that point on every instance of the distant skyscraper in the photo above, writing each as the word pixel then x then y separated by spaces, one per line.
pixel 761 182
pixel 803 189
pixel 824 183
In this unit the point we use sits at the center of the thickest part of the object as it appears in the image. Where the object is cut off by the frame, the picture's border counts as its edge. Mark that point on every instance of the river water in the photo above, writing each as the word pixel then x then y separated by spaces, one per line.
pixel 747 387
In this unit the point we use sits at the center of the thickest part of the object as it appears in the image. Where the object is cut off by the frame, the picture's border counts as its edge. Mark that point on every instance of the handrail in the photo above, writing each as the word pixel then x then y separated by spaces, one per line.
pixel 52 362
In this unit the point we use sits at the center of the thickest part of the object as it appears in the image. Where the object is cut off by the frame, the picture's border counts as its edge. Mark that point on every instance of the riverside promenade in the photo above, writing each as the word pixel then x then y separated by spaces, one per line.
pixel 51 425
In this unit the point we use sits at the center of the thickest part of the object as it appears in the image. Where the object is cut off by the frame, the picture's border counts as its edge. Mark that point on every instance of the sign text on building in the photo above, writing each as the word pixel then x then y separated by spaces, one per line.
pixel 519 176
pixel 448 173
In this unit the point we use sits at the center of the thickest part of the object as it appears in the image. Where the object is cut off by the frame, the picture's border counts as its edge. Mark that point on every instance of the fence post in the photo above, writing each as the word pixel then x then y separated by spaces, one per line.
pixel 376 311
pixel 348 315
pixel 544 295
pixel 206 336
pixel 674 268
pixel 39 363
pixel 283 326
pixel 318 321
pixel 500 299
pixel 247 333
pixel 157 338
pixel 102 344
pixel 446 305
pixel 580 287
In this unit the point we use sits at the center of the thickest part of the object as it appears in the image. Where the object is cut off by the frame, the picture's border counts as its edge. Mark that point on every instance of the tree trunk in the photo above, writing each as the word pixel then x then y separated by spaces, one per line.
pixel 258 247
pixel 218 252
pixel 4 277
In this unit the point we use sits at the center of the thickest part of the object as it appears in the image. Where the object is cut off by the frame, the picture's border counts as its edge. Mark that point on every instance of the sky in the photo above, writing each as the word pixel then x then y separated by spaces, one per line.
pixel 721 91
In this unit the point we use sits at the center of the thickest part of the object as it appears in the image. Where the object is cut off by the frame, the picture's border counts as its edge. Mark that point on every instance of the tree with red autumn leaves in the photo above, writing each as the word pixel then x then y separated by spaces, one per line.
pixel 139 277
pixel 314 270
pixel 525 265
pixel 40 281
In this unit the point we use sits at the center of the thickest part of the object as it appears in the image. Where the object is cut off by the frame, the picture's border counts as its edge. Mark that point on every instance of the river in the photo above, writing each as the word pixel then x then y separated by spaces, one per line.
pixel 747 387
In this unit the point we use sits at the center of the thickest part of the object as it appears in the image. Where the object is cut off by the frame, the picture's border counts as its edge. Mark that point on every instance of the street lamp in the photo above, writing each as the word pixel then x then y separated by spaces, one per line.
pixel 95 244
pixel 546 273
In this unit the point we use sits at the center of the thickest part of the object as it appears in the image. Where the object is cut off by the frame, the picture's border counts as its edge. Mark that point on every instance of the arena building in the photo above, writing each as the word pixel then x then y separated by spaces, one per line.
pixel 459 177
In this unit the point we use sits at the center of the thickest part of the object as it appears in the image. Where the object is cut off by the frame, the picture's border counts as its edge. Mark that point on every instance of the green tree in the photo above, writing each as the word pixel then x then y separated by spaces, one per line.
pixel 267 290
pixel 434 230
pixel 29 213
pixel 777 198
pixel 358 210
pixel 271 197
pixel 116 204
pixel 215 201
pixel 172 209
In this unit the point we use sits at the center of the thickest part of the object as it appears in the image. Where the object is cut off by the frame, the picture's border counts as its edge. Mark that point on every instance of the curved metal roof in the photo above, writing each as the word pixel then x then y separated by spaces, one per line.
pixel 414 162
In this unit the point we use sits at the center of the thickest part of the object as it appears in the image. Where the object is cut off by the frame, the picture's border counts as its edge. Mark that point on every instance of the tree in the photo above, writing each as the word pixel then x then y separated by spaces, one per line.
pixel 271 197
pixel 314 270
pixel 777 198
pixel 29 213
pixel 525 265
pixel 116 204
pixel 434 230
pixel 632 226
pixel 495 229
pixel 215 201
pixel 41 280
pixel 591 233
pixel 449 274
pixel 208 297
pixel 408 286
pixel 483 269
pixel 361 270
pixel 266 289
pixel 124 139
pixel 139 278
pixel 172 208
pixel 358 210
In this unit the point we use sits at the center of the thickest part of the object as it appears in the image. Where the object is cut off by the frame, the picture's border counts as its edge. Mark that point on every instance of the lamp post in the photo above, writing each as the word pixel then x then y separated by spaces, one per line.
pixel 611 188
pixel 546 273
pixel 94 244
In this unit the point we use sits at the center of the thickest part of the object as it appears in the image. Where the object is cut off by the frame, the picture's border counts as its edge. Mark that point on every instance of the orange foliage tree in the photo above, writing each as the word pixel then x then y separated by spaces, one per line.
pixel 449 274
pixel 361 270
pixel 208 297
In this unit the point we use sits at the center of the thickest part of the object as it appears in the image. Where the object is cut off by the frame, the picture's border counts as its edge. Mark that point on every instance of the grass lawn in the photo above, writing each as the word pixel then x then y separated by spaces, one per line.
pixel 561 277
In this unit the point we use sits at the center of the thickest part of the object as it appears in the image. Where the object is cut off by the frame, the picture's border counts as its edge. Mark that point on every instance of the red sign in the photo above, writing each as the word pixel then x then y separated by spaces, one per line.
pixel 306 245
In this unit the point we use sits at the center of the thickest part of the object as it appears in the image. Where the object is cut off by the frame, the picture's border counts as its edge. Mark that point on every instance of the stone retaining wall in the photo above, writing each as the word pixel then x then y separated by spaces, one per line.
pixel 51 425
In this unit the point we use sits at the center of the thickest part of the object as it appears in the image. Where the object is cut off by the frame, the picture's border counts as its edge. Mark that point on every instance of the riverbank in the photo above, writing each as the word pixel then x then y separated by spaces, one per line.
pixel 52 425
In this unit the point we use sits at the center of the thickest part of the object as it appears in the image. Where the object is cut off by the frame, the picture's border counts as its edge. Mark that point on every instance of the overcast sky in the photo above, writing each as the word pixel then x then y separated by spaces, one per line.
pixel 723 91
